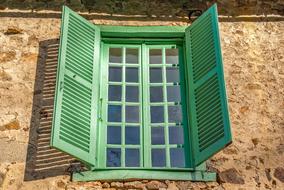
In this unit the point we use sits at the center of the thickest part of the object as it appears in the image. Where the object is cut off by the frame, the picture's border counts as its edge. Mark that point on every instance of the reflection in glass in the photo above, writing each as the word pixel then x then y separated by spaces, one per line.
pixel 157 114
pixel 177 157
pixel 132 157
pixel 115 74
pixel 131 55
pixel 156 94
pixel 172 74
pixel 114 113
pixel 156 75
pixel 176 135
pixel 132 114
pixel 157 135
pixel 175 114
pixel 173 93
pixel 132 135
pixel 171 56
pixel 115 55
pixel 113 135
pixel 113 157
pixel 114 93
pixel 155 56
pixel 131 74
pixel 158 158
pixel 132 94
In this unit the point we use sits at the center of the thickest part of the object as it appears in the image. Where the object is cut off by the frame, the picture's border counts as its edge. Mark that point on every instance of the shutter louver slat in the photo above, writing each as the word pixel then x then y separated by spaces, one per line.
pixel 74 120
pixel 209 119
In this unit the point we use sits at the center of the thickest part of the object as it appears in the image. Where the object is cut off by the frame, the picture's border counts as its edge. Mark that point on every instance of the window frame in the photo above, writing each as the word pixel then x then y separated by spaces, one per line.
pixel 157 35
pixel 144 68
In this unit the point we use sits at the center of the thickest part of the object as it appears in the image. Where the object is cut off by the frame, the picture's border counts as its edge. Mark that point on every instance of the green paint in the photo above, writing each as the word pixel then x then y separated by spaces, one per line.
pixel 208 110
pixel 76 99
pixel 204 103
pixel 144 174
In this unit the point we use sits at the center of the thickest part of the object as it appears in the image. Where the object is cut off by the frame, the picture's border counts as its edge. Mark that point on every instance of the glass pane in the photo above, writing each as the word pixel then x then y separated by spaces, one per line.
pixel 156 94
pixel 176 135
pixel 158 157
pixel 132 135
pixel 114 113
pixel 115 55
pixel 132 114
pixel 132 94
pixel 113 157
pixel 156 75
pixel 131 74
pixel 132 157
pixel 113 135
pixel 177 157
pixel 157 114
pixel 155 56
pixel 174 114
pixel 171 56
pixel 131 55
pixel 115 74
pixel 173 93
pixel 114 93
pixel 172 74
pixel 157 135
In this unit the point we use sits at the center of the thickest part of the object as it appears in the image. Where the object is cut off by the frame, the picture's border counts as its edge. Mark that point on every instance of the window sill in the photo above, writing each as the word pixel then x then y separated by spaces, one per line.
pixel 144 174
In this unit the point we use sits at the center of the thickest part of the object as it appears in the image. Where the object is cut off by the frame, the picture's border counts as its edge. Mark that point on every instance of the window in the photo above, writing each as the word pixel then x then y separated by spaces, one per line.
pixel 142 105
pixel 148 99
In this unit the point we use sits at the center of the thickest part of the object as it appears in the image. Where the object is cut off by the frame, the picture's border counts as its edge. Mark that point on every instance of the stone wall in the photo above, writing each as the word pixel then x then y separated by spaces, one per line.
pixel 253 53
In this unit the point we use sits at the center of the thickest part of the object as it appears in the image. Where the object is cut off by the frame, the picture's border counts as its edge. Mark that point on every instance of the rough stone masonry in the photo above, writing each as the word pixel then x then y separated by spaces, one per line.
pixel 252 37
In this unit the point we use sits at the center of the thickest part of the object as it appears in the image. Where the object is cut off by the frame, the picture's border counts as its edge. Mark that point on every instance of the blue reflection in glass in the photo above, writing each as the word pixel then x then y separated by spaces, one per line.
pixel 158 158
pixel 157 114
pixel 175 114
pixel 114 135
pixel 173 93
pixel 132 157
pixel 177 157
pixel 157 135
pixel 132 135
pixel 114 113
pixel 176 135
pixel 113 157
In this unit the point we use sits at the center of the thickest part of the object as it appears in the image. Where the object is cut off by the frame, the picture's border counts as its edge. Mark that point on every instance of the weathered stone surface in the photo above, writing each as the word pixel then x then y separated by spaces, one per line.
pixel 13 125
pixel 134 185
pixel 6 56
pixel 13 30
pixel 106 185
pixel 279 174
pixel 172 186
pixel 116 184
pixel 252 49
pixel 61 184
pixel 2 176
pixel 155 185
pixel 231 176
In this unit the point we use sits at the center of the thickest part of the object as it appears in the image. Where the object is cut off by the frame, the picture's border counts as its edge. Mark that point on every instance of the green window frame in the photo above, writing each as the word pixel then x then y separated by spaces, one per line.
pixel 80 109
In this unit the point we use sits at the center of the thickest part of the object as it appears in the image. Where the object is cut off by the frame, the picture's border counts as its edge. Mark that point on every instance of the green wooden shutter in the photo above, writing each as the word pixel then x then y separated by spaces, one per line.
pixel 75 110
pixel 207 102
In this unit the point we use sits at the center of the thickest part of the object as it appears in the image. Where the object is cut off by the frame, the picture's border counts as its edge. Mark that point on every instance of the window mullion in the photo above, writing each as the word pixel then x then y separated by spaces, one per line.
pixel 146 107
pixel 166 130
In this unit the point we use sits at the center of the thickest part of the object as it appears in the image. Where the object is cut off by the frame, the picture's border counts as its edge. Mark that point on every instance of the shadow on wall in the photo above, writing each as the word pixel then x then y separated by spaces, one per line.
pixel 146 10
pixel 42 160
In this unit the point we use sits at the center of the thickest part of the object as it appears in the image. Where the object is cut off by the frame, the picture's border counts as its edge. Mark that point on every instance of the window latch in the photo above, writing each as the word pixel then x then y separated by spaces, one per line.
pixel 61 85
pixel 100 109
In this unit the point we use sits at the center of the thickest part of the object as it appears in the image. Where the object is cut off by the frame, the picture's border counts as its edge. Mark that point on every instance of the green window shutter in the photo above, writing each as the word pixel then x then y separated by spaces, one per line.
pixel 208 110
pixel 75 110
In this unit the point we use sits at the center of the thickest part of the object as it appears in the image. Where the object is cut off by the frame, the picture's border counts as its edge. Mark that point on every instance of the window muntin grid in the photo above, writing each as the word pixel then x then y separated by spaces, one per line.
pixel 166 81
